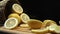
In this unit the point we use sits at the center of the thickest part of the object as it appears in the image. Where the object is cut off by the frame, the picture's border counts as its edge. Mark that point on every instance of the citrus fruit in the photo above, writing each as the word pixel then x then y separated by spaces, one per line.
pixel 47 23
pixel 17 8
pixel 24 17
pixel 24 25
pixel 11 23
pixel 34 23
pixel 54 28
pixel 41 31
pixel 14 15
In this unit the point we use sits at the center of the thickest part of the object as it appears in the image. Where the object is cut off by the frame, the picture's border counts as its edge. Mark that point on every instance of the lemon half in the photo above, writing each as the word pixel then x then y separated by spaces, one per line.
pixel 34 23
pixel 11 23
pixel 17 8
pixel 24 17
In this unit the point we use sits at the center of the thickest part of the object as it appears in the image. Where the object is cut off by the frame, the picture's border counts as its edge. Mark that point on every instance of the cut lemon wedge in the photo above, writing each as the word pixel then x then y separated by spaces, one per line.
pixel 24 25
pixel 24 17
pixel 14 15
pixel 54 28
pixel 47 23
pixel 11 23
pixel 33 23
pixel 17 8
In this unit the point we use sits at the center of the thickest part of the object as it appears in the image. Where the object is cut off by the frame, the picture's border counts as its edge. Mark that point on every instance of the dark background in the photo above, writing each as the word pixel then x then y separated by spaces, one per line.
pixel 42 9
pixel 37 9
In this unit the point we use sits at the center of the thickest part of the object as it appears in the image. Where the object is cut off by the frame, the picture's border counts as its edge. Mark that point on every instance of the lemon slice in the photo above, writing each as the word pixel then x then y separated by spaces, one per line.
pixel 24 25
pixel 11 23
pixel 48 23
pixel 33 23
pixel 24 17
pixel 17 8
pixel 14 15
pixel 44 30
pixel 54 28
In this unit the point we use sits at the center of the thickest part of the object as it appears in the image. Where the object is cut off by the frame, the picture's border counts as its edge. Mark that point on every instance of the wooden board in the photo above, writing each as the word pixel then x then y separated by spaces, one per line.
pixel 17 30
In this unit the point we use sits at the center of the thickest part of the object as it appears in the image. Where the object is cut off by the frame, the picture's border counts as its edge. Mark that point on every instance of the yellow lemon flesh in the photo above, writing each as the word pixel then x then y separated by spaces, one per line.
pixel 17 8
pixel 14 15
pixel 11 23
pixel 35 24
pixel 24 17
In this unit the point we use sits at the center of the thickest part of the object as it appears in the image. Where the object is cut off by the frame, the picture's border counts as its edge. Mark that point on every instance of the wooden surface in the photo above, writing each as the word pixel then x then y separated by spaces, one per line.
pixel 17 30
